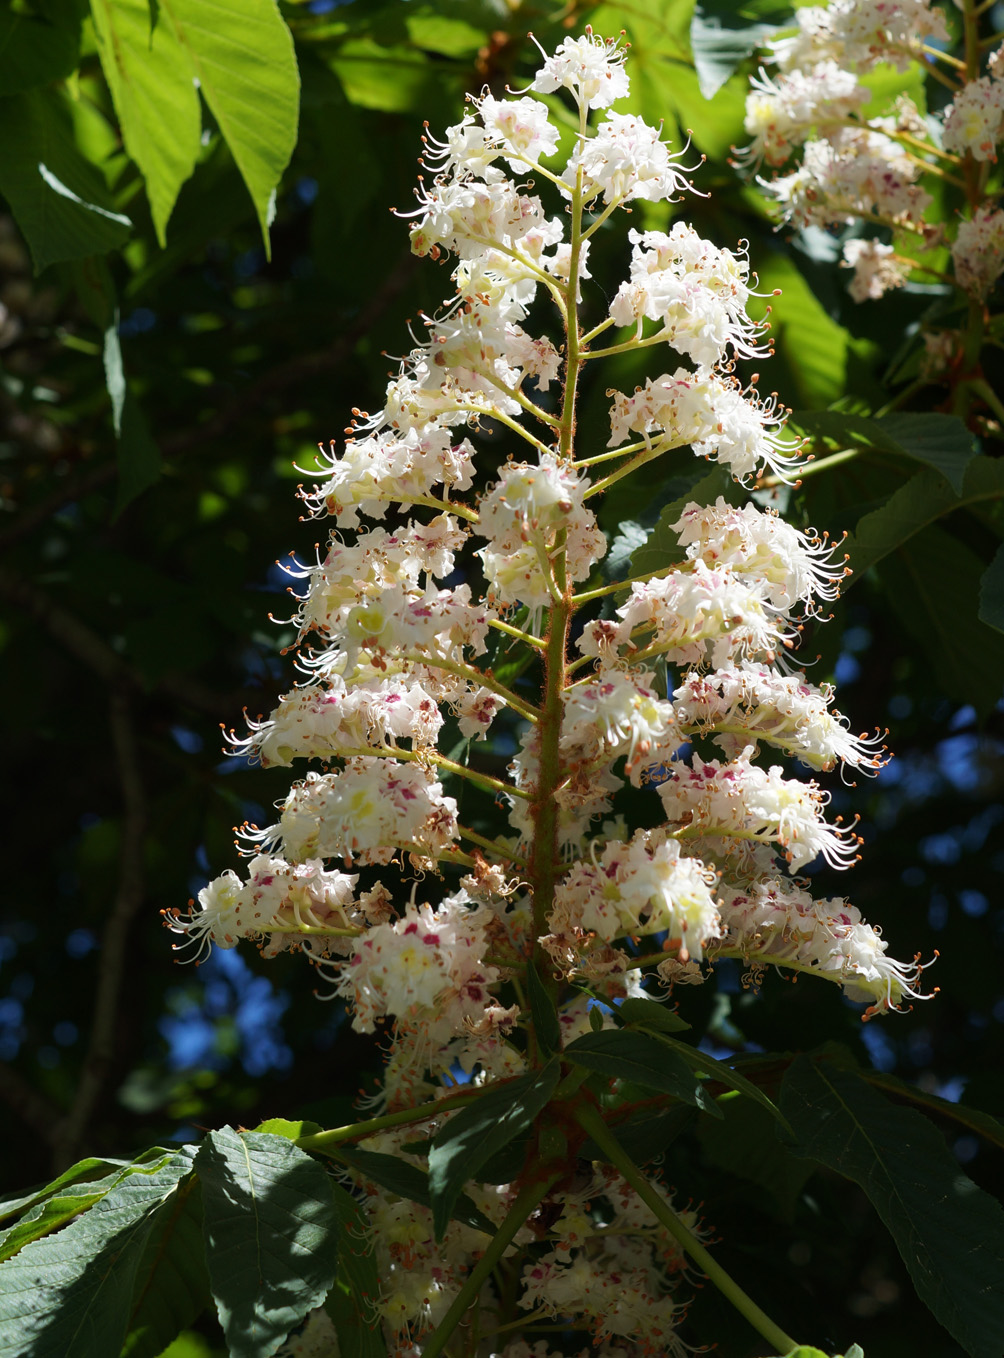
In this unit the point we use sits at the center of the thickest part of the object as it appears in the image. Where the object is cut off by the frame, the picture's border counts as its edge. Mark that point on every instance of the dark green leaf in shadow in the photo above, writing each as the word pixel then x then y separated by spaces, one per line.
pixel 58 197
pixel 543 1012
pixel 991 609
pixel 352 1301
pixel 650 1014
pixel 38 49
pixel 722 35
pixel 949 1232
pixel 644 1060
pixel 480 1129
pixel 408 1181
pixel 172 1285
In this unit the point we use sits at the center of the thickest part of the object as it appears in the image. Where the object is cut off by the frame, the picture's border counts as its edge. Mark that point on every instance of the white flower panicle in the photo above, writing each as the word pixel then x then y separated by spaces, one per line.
pixel 437 634
pixel 841 167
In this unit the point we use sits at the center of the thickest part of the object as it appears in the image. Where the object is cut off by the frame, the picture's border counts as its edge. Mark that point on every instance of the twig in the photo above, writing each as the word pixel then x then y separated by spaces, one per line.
pixel 94 652
pixel 98 1061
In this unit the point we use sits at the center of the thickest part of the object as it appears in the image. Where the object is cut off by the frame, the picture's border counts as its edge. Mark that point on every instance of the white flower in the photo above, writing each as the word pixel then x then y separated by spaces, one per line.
pixel 697 292
pixel 625 159
pixel 425 967
pixel 794 567
pixel 781 113
pixel 978 251
pixel 774 920
pixel 644 886
pixel 877 268
pixel 852 174
pixel 974 121
pixel 616 712
pixel 756 703
pixel 517 126
pixel 367 812
pixel 737 803
pixel 590 66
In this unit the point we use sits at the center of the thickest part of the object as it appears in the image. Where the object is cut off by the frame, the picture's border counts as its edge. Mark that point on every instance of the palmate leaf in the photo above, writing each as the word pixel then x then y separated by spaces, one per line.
pixel 271 1236
pixel 69 1295
pixel 150 75
pixel 139 459
pixel 932 582
pixel 949 1232
pixel 241 52
pixel 941 442
pixel 480 1129
pixel 725 1074
pixel 46 1217
pixel 545 1016
pixel 992 593
pixel 89 1171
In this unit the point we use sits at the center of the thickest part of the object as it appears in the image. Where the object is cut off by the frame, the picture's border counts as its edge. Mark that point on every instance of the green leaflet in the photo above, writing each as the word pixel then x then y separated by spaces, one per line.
pixel 271 1236
pixel 480 1129
pixel 647 1133
pixel 933 584
pixel 38 49
pixel 408 1181
pixel 57 196
pixel 707 1065
pixel 150 75
pixel 46 1217
pixel 545 1016
pixel 171 1288
pixel 139 460
pixel 351 1302
pixel 722 36
pixel 744 1144
pixel 88 1170
pixel 241 53
pixel 642 1059
pixel 949 1232
pixel 650 1014
pixel 69 1295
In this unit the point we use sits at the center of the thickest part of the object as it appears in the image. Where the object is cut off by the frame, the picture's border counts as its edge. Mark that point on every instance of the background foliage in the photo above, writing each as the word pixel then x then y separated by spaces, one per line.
pixel 200 279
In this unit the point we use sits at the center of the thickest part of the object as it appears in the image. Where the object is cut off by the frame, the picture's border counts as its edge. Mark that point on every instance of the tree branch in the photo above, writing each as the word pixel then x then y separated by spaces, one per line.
pixel 70 1132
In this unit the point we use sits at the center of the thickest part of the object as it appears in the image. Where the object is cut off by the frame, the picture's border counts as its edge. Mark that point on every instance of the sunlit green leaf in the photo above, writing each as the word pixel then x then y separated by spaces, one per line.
pixel 241 52
pixel 150 76
pixel 50 1302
